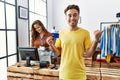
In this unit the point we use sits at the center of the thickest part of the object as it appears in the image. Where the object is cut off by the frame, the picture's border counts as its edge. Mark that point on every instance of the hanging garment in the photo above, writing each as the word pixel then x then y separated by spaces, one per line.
pixel 114 41
pixel 108 57
pixel 103 43
pixel 111 40
pixel 118 42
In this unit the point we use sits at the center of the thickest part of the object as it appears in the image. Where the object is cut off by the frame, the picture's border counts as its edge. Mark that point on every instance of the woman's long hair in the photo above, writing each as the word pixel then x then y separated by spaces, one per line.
pixel 34 33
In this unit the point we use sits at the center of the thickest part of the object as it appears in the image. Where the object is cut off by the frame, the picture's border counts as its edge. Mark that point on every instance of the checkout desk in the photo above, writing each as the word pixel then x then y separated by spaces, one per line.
pixel 20 72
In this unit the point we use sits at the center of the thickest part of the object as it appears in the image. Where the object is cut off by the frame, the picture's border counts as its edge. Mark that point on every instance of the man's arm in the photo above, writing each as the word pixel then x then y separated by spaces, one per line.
pixel 91 51
pixel 57 51
pixel 50 41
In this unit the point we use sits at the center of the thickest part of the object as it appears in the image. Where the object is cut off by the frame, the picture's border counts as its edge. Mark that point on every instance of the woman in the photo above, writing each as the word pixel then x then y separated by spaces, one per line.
pixel 39 34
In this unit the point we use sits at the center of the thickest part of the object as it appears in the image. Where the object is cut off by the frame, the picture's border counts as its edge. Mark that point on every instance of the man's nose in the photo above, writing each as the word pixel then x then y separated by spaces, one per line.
pixel 72 17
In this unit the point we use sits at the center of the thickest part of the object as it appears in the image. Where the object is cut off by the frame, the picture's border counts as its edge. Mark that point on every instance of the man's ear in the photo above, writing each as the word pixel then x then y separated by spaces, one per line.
pixel 79 20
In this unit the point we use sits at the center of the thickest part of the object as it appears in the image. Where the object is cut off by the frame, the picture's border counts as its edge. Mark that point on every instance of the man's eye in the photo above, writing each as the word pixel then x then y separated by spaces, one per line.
pixel 69 15
pixel 75 15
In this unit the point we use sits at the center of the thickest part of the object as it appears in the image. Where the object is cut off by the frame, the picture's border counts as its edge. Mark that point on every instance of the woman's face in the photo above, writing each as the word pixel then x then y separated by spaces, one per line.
pixel 38 28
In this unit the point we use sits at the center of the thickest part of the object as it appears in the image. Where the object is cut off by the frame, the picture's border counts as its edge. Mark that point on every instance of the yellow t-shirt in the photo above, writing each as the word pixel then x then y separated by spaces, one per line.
pixel 73 44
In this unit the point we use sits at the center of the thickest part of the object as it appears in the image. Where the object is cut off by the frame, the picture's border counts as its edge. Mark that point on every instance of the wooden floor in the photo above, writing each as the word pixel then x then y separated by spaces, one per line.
pixel 103 71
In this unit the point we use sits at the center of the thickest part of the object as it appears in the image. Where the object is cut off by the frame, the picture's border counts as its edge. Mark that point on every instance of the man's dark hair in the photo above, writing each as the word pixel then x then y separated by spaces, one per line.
pixel 72 7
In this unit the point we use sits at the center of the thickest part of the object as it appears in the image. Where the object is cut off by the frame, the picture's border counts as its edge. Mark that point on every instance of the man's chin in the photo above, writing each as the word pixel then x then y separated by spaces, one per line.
pixel 73 25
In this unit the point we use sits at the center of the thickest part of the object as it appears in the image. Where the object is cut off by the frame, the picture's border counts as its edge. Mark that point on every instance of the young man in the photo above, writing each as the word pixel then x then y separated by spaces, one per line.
pixel 72 43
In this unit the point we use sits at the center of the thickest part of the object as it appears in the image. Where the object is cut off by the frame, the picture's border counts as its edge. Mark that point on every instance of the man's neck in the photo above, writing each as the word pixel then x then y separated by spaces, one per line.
pixel 74 28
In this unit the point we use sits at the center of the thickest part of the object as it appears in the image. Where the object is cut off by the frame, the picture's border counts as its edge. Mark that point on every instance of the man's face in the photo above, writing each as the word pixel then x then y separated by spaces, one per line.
pixel 72 17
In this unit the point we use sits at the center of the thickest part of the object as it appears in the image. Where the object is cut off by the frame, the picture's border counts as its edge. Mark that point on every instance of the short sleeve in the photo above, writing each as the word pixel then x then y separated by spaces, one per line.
pixel 58 43
pixel 88 41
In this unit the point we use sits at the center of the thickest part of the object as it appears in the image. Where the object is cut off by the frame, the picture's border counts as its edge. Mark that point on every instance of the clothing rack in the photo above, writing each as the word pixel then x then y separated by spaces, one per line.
pixel 115 24
pixel 101 25
pixel 108 23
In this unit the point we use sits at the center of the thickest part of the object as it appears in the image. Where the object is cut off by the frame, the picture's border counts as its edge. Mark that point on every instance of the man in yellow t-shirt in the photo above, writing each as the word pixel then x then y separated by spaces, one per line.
pixel 72 44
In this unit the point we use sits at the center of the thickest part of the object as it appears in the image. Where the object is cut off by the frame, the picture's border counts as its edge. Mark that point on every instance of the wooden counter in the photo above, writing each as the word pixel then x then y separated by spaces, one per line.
pixel 19 72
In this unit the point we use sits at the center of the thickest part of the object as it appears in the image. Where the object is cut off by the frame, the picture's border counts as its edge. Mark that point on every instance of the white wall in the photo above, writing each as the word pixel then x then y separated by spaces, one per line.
pixel 23 26
pixel 92 12
pixel 49 14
